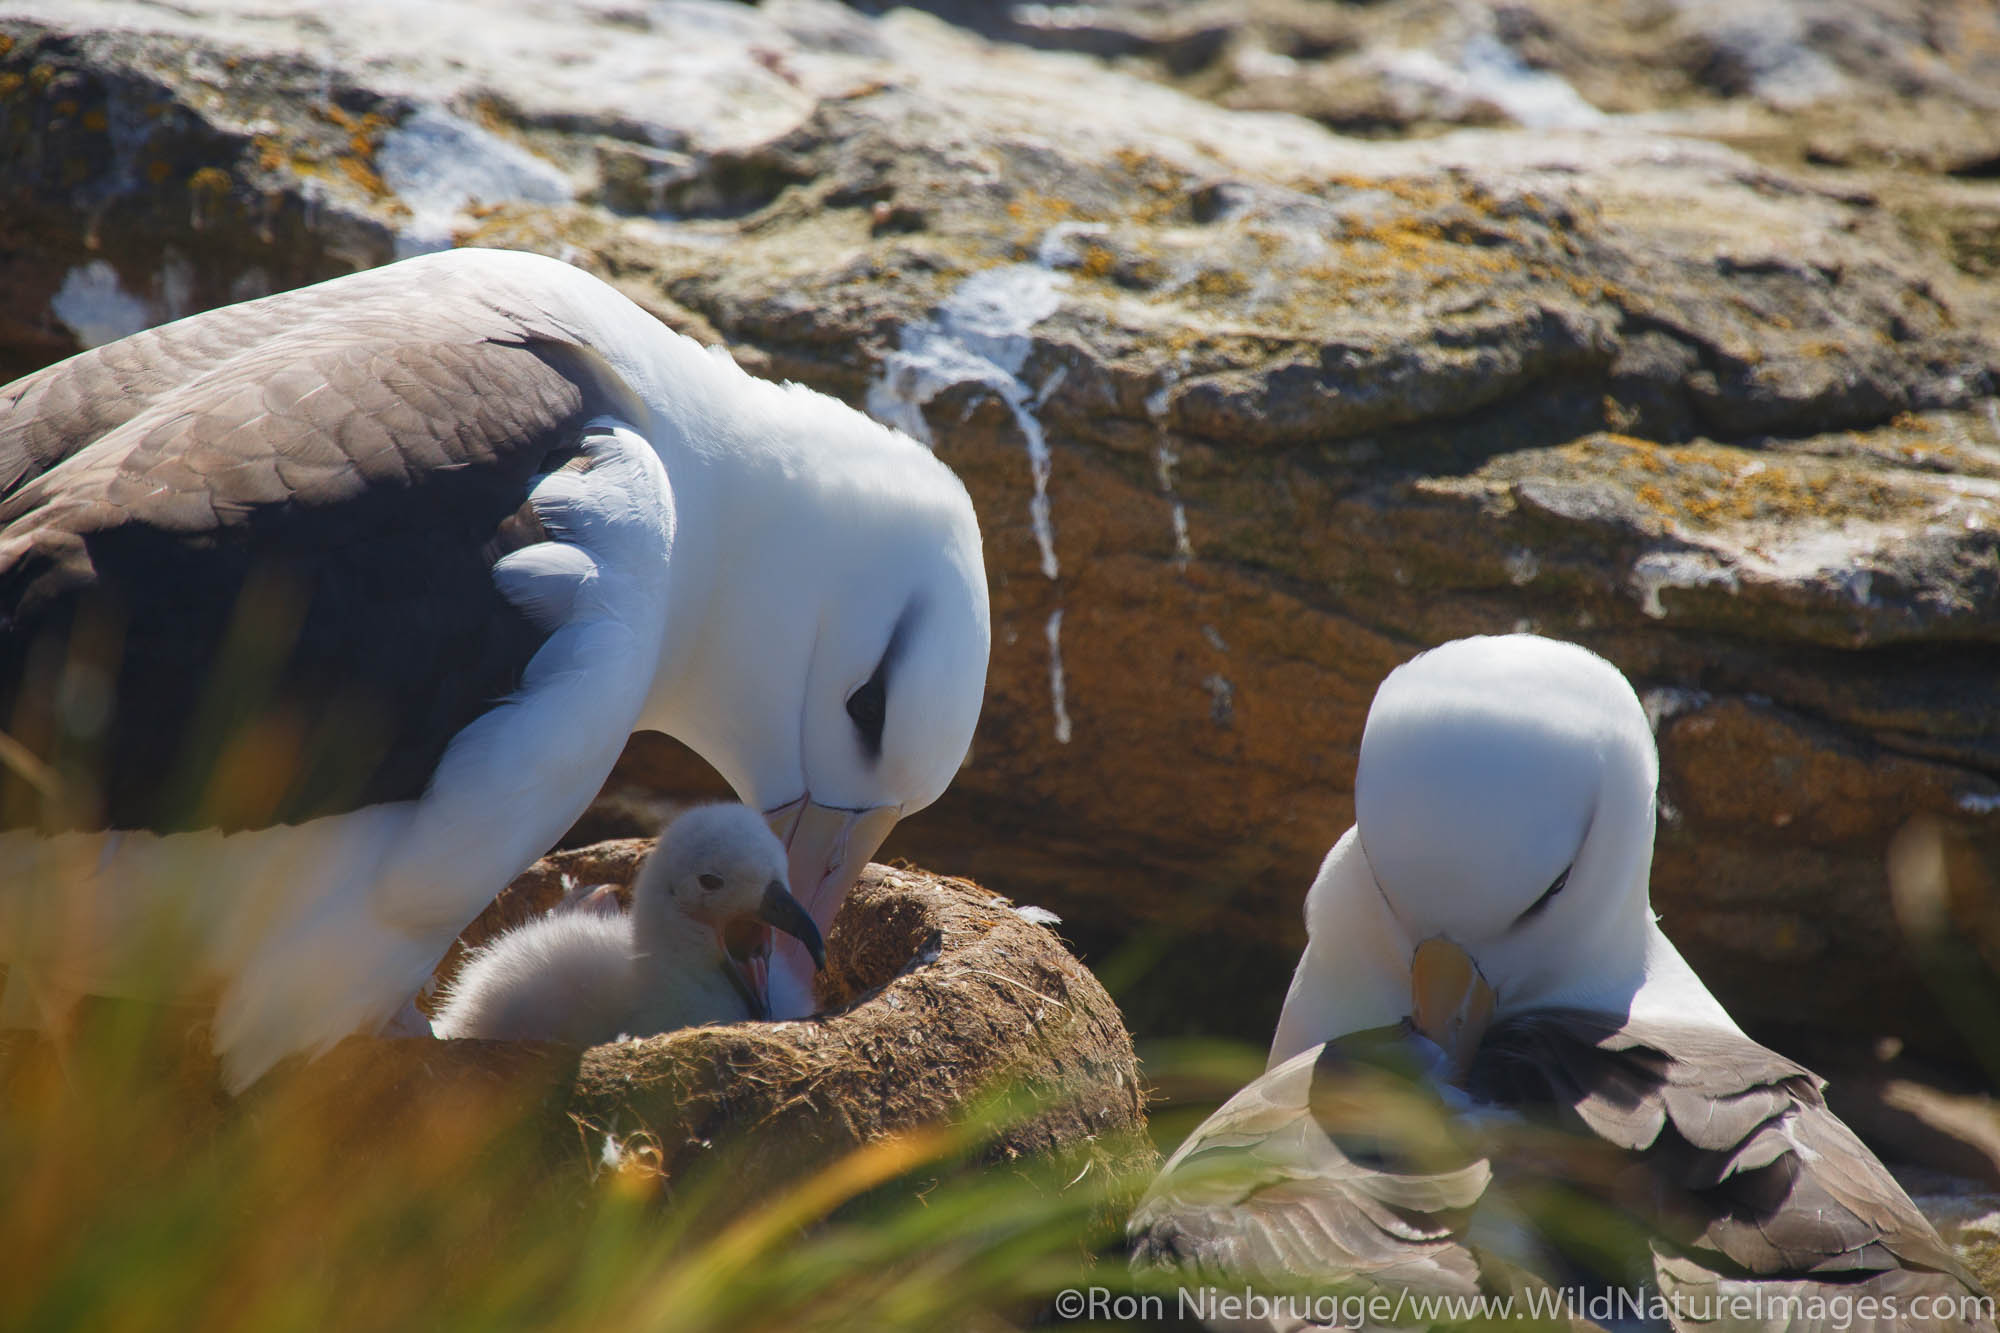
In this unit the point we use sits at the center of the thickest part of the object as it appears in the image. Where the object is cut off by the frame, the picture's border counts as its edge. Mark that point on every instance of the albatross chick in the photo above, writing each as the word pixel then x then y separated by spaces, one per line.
pixel 692 950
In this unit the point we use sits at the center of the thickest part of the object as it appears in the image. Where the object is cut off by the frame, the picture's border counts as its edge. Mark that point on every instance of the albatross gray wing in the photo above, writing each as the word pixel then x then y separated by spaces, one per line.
pixel 55 412
pixel 1325 1174
pixel 1761 1195
pixel 273 527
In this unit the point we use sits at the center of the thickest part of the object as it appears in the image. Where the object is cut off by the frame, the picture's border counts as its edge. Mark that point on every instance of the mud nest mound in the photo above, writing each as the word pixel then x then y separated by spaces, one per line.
pixel 937 997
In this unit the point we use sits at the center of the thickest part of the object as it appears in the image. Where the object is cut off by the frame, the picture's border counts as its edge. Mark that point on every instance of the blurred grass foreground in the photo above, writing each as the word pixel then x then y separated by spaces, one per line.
pixel 479 1185
pixel 390 1185
pixel 956 1141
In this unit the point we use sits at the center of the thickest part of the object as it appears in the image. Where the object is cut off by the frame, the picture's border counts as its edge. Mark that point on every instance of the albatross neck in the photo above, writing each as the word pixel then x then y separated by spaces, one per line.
pixel 1672 993
pixel 746 519
pixel 662 933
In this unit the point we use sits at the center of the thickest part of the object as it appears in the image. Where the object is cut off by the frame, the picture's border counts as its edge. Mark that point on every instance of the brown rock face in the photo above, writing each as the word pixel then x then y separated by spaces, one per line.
pixel 1685 351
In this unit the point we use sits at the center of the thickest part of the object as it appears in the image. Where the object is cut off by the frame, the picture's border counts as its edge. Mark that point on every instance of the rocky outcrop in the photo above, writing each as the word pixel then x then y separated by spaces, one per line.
pixel 1634 330
pixel 1866 82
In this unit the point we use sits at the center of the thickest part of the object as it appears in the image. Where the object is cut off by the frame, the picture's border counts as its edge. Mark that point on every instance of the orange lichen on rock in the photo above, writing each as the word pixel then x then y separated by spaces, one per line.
pixel 1706 486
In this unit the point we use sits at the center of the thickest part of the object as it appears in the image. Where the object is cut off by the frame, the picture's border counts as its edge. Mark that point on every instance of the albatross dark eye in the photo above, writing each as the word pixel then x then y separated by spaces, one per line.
pixel 869 707
pixel 710 882
pixel 1535 907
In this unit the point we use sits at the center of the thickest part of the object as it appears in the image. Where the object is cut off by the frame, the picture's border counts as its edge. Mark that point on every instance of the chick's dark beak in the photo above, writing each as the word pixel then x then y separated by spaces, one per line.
pixel 781 911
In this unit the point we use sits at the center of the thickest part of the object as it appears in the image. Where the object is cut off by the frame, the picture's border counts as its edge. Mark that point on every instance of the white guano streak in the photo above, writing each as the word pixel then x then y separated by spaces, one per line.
pixel 1164 459
pixel 1054 632
pixel 981 334
pixel 95 307
pixel 439 164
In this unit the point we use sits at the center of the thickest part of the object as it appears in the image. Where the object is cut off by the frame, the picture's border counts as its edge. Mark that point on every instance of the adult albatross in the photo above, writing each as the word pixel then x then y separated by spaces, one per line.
pixel 1487 918
pixel 327 613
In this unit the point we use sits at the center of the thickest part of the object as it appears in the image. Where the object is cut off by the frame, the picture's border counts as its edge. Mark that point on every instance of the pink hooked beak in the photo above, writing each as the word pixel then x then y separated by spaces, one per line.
pixel 827 848
pixel 746 945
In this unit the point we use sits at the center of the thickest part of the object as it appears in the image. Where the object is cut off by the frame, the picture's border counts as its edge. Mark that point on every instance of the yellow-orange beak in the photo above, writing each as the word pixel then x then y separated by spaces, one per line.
pixel 1450 1001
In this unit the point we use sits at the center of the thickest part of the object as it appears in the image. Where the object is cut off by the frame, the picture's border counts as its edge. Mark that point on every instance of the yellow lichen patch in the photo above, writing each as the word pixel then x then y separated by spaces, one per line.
pixel 96 121
pixel 41 76
pixel 357 162
pixel 1582 285
pixel 361 173
pixel 1404 249
pixel 486 111
pixel 1149 171
pixel 1220 283
pixel 351 160
pixel 209 180
pixel 1160 208
pixel 1411 190
pixel 1035 207
pixel 1350 182
pixel 1707 486
pixel 10 83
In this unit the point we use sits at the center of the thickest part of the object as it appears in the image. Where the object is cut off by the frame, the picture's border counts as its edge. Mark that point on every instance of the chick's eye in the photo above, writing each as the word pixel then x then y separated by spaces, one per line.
pixel 1535 907
pixel 868 707
pixel 710 882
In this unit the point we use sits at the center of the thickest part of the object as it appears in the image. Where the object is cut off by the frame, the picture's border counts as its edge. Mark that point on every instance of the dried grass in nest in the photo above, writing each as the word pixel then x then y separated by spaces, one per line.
pixel 936 997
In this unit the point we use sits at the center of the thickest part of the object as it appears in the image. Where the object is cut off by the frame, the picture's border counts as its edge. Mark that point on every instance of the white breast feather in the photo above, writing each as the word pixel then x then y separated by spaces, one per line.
pixel 566 977
pixel 575 977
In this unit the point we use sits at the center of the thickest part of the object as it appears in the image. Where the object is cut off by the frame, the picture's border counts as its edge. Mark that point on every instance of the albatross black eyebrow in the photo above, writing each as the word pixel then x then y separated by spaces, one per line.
pixel 868 706
pixel 1535 908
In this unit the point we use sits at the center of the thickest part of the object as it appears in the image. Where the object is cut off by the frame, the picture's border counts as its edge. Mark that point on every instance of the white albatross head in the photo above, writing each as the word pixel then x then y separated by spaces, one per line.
pixel 1501 854
pixel 835 675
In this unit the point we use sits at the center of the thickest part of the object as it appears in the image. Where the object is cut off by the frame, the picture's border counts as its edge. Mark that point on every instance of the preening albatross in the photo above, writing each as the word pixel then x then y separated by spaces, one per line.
pixel 1487 919
pixel 327 613
pixel 703 909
